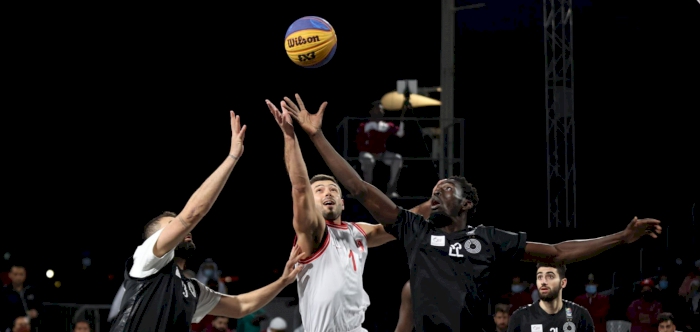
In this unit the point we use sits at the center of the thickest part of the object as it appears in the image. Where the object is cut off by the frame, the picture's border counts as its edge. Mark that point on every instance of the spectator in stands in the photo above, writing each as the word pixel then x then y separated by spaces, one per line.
pixel 684 290
pixel 208 274
pixel 21 324
pixel 694 305
pixel 209 270
pixel 277 324
pixel 666 323
pixel 82 326
pixel 18 300
pixel 598 305
pixel 644 312
pixel 371 142
pixel 251 323
pixel 519 294
pixel 670 301
pixel 500 318
pixel 218 324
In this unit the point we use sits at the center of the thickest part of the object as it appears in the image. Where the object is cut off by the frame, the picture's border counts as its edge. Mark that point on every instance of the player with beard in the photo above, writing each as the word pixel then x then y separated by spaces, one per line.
pixel 157 296
pixel 330 288
pixel 450 262
pixel 550 313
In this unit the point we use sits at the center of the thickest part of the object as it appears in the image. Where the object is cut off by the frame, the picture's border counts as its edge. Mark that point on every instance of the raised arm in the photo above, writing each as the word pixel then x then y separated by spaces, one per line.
pixel 203 199
pixel 308 222
pixel 376 202
pixel 578 250
pixel 242 305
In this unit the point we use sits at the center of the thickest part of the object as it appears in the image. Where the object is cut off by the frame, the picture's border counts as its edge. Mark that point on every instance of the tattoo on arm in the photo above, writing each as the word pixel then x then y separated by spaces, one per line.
pixel 182 221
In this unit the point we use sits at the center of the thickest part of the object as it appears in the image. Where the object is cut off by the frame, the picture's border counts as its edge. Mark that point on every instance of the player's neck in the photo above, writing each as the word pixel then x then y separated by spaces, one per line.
pixel 552 307
pixel 458 223
pixel 336 221
pixel 180 263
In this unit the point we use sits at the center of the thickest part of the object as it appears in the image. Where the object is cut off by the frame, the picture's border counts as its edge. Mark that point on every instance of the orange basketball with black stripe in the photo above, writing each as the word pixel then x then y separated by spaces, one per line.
pixel 310 42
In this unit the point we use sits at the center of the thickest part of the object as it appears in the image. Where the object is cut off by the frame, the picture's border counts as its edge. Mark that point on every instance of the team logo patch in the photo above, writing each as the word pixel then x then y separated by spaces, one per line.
pixel 191 287
pixel 359 245
pixel 569 327
pixel 473 246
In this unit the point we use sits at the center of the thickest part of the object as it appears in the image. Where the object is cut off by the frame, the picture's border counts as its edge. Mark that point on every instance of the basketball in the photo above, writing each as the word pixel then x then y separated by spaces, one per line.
pixel 310 42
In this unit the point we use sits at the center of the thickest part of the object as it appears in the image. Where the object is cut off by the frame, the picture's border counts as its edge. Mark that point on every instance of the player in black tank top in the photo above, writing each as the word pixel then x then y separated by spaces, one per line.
pixel 451 262
pixel 158 297
pixel 550 313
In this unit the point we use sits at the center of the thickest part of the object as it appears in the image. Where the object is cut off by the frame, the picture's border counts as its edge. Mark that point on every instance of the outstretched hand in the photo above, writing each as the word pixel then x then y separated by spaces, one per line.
pixel 292 269
pixel 284 120
pixel 640 227
pixel 311 123
pixel 237 136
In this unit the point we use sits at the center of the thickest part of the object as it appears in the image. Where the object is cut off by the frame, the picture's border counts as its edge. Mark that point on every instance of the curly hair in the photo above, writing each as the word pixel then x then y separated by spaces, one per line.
pixel 467 188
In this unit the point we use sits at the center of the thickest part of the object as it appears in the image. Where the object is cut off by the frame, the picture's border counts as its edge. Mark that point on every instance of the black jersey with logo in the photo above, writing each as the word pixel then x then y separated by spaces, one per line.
pixel 532 318
pixel 450 272
pixel 159 298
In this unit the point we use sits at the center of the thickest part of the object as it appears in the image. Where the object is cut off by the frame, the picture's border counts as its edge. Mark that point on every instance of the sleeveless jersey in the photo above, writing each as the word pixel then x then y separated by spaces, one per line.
pixel 331 294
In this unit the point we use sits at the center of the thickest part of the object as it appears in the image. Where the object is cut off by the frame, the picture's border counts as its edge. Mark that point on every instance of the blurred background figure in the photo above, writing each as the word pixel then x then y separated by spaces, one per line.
pixel 519 294
pixel 251 323
pixel 644 312
pixel 277 324
pixel 209 274
pixel 21 324
pixel 218 324
pixel 666 323
pixel 598 305
pixel 17 299
pixel 371 142
pixel 501 317
pixel 82 326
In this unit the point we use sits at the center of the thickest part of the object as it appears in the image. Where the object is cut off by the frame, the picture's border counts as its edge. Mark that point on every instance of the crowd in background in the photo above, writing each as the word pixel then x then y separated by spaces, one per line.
pixel 655 300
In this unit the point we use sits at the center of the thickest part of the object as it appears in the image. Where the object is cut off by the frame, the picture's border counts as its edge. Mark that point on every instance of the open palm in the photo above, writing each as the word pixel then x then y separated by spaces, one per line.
pixel 283 119
pixel 311 123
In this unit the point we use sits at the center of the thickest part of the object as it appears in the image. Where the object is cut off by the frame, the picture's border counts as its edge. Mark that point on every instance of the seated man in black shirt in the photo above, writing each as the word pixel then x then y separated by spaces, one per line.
pixel 550 313
pixel 157 296
pixel 450 262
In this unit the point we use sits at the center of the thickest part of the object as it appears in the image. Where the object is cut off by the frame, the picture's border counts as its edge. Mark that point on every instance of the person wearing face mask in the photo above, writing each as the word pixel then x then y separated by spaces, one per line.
pixel 643 312
pixel 519 294
pixel 597 304
pixel 670 301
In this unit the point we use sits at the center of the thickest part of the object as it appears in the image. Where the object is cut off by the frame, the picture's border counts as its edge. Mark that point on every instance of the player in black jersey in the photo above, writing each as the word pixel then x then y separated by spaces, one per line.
pixel 450 262
pixel 550 313
pixel 157 296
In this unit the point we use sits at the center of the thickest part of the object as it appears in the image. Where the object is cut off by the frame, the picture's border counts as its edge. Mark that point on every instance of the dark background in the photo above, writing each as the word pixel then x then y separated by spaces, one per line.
pixel 115 114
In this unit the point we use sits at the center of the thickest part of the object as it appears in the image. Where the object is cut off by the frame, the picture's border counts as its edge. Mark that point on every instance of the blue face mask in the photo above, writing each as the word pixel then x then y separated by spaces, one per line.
pixel 209 273
pixel 663 284
pixel 517 288
pixel 591 289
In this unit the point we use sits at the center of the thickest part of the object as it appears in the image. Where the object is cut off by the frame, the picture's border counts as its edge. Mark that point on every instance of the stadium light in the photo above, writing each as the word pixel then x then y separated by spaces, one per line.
pixel 57 284
pixel 49 274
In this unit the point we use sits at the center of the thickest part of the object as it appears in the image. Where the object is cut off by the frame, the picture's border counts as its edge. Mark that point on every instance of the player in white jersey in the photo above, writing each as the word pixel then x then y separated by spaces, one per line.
pixel 331 293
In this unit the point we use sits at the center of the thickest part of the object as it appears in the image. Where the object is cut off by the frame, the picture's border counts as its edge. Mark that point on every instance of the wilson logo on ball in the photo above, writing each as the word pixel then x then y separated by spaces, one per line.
pixel 298 41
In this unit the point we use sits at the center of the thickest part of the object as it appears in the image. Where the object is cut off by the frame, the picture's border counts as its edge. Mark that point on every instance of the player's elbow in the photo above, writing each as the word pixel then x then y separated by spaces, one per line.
pixel 358 189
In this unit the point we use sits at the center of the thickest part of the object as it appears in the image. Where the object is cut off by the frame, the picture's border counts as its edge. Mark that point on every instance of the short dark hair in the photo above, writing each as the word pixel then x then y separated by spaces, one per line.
pixel 665 317
pixel 467 188
pixel 152 226
pixel 502 307
pixel 323 177
pixel 561 268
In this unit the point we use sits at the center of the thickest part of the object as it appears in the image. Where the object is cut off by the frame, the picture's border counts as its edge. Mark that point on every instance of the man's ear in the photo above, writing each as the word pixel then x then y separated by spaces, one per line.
pixel 342 204
pixel 467 204
pixel 564 282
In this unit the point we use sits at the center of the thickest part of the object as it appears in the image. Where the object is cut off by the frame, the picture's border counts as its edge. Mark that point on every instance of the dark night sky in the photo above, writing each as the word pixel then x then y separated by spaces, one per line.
pixel 121 113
